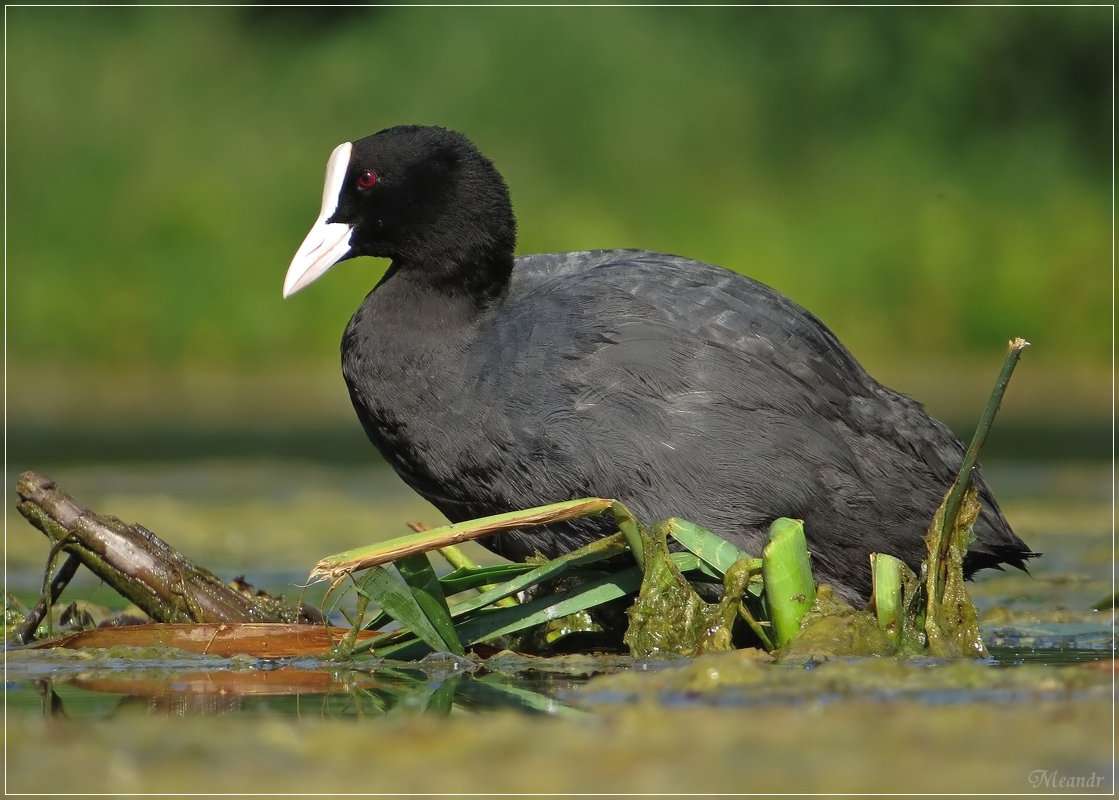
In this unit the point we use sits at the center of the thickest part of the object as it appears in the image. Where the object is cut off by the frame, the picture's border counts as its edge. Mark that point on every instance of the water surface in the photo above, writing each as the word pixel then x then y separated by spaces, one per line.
pixel 1038 712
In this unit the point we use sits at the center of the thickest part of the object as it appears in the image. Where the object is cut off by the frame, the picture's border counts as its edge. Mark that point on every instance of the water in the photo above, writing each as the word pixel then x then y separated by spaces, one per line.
pixel 91 721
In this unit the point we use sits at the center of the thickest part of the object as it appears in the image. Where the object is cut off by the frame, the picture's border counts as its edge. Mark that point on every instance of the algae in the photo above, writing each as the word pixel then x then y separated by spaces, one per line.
pixel 858 745
pixel 668 615
pixel 951 621
pixel 834 628
pixel 754 677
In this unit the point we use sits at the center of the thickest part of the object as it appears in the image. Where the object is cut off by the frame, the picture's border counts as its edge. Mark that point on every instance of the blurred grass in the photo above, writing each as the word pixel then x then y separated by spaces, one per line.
pixel 929 181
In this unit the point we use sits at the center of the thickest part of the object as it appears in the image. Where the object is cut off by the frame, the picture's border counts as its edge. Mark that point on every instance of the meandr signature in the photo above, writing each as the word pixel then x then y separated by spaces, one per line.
pixel 1055 779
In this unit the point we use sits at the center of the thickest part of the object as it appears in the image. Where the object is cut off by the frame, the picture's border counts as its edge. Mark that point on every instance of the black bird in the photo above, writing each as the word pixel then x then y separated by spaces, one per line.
pixel 493 383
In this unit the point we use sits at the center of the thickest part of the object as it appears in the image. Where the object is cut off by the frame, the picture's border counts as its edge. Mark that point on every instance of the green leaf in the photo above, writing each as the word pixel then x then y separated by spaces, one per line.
pixel 714 550
pixel 464 611
pixel 631 530
pixel 790 590
pixel 588 554
pixel 500 622
pixel 398 600
pixel 886 594
pixel 896 602
pixel 418 574
pixel 463 579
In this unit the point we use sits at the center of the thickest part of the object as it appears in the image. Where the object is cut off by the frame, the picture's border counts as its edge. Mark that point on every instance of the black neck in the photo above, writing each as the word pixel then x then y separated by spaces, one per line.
pixel 477 282
pixel 483 281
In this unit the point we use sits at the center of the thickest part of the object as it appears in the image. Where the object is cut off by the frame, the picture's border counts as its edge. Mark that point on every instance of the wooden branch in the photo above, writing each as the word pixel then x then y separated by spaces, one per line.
pixel 162 582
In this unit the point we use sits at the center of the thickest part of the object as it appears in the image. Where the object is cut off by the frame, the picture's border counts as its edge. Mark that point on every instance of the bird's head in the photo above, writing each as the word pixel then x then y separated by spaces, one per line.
pixel 423 196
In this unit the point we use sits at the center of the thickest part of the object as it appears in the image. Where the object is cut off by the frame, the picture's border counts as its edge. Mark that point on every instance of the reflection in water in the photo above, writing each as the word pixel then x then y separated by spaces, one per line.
pixel 439 684
pixel 88 688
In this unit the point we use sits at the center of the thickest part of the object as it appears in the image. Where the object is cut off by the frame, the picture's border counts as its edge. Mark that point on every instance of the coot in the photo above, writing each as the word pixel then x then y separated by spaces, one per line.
pixel 493 383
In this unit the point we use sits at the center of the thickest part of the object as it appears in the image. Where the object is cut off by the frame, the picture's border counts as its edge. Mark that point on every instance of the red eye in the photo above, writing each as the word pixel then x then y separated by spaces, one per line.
pixel 366 179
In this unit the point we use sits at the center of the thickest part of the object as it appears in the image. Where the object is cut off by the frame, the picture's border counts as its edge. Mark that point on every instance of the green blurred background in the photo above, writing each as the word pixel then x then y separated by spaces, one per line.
pixel 928 181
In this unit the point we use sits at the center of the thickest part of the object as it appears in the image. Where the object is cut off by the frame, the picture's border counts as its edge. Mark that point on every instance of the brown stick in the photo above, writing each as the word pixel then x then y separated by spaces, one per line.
pixel 162 582
pixel 51 592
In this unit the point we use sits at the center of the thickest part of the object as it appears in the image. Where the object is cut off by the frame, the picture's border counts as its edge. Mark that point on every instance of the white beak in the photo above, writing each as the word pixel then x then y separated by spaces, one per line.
pixel 327 242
